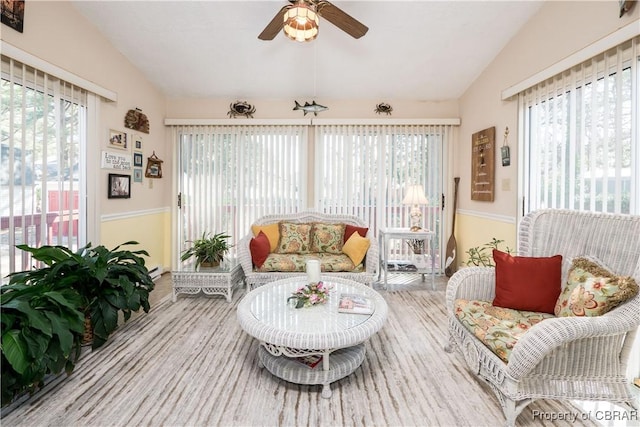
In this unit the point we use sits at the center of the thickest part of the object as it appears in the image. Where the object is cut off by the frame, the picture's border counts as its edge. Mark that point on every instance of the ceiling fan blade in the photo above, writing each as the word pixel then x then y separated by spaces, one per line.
pixel 273 28
pixel 341 19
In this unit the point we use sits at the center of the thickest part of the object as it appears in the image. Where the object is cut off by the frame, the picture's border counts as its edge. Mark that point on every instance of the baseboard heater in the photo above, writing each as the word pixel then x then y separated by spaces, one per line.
pixel 155 272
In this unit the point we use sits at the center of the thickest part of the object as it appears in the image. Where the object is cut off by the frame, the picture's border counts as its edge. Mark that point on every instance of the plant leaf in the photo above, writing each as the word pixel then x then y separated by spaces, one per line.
pixel 36 318
pixel 14 350
pixel 60 327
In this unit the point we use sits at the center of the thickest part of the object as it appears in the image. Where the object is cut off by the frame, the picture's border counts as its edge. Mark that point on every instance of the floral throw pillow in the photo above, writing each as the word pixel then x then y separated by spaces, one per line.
pixel 592 290
pixel 327 238
pixel 295 238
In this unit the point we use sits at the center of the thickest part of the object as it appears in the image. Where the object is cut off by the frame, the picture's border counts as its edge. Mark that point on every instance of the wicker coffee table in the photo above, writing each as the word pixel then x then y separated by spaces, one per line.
pixel 286 333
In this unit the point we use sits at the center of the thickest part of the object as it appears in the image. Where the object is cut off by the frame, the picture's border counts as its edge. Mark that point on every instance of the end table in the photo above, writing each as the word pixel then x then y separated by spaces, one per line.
pixel 387 234
pixel 221 280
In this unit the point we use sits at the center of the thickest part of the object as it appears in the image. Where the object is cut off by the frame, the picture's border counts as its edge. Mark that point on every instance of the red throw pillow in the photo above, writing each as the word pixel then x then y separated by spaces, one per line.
pixel 259 247
pixel 350 229
pixel 527 283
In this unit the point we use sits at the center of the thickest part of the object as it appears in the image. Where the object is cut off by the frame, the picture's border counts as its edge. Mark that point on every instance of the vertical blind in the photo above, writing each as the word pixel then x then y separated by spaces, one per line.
pixel 580 130
pixel 364 170
pixel 43 127
pixel 232 175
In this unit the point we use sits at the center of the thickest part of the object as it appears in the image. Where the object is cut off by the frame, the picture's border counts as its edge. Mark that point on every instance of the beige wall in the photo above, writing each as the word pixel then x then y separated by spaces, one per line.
pixel 57 33
pixel 183 108
pixel 557 31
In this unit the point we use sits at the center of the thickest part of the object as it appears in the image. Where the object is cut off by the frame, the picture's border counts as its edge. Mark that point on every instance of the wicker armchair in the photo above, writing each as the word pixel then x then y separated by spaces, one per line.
pixel 255 278
pixel 581 358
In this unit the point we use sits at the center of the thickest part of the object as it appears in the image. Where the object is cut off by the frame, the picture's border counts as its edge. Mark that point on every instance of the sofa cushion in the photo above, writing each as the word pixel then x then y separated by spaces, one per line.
pixel 297 263
pixel 337 263
pixel 356 248
pixel 498 328
pixel 295 238
pixel 260 248
pixel 327 238
pixel 592 290
pixel 527 283
pixel 350 229
pixel 271 230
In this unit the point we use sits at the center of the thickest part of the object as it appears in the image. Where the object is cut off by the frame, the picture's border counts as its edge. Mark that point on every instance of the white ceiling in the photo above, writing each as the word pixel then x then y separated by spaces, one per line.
pixel 414 50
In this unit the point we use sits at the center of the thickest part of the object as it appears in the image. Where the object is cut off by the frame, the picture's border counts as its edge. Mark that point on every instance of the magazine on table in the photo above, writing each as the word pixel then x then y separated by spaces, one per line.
pixel 355 303
pixel 311 361
pixel 401 266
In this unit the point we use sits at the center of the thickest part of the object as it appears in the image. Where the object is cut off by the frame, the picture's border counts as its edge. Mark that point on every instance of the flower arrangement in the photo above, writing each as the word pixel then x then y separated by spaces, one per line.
pixel 311 294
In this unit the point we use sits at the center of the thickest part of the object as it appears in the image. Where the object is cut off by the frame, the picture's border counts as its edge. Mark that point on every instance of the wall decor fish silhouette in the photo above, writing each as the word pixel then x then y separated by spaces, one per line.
pixel 310 108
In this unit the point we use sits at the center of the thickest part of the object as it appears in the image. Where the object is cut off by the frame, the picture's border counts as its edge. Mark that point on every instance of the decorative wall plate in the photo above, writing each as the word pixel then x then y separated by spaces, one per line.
pixel 136 120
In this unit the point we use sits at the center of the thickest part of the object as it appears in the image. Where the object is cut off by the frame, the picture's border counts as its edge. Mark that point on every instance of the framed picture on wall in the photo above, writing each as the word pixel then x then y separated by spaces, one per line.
pixel 154 167
pixel 137 141
pixel 137 175
pixel 137 159
pixel 119 186
pixel 13 14
pixel 117 139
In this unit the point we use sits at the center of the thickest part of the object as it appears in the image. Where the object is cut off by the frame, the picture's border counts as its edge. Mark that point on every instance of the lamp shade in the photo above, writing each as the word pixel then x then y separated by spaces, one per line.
pixel 415 196
pixel 301 22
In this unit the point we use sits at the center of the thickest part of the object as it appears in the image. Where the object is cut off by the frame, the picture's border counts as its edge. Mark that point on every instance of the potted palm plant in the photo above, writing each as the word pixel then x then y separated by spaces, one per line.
pixel 208 250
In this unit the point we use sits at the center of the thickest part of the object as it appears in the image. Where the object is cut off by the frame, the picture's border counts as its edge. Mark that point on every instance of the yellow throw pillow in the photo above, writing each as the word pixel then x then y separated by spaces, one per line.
pixel 356 248
pixel 271 230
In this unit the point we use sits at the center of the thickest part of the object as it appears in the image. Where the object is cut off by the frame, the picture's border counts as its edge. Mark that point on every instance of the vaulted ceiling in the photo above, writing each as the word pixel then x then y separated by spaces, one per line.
pixel 414 50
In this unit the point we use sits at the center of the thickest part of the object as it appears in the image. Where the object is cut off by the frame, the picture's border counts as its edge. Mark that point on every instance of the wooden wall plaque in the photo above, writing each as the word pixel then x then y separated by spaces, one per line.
pixel 483 145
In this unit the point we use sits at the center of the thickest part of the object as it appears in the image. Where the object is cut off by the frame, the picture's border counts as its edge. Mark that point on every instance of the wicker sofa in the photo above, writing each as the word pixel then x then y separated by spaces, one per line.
pixel 581 358
pixel 366 272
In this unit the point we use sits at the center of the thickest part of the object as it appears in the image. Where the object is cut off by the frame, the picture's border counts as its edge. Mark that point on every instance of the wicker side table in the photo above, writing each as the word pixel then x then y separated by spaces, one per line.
pixel 220 280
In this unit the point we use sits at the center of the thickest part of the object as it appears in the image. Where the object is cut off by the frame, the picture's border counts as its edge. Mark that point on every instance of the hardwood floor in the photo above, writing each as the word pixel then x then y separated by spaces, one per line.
pixel 396 281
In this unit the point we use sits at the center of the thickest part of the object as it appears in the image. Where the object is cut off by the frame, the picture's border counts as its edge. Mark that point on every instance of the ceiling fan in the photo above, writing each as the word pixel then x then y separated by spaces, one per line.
pixel 290 15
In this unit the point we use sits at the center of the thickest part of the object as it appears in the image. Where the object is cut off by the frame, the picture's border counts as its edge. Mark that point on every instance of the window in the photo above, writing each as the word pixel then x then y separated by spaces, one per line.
pixel 580 131
pixel 43 129
pixel 232 175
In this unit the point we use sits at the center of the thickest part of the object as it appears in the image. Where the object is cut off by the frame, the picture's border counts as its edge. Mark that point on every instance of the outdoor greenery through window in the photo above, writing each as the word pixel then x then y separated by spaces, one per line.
pixel 579 136
pixel 43 127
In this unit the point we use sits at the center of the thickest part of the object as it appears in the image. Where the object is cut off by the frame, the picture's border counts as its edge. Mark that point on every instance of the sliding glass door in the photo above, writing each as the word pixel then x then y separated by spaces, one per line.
pixel 231 175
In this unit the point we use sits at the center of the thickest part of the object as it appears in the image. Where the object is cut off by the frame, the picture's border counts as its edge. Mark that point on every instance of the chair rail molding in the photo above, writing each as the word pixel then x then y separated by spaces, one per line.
pixel 134 214
pixel 488 215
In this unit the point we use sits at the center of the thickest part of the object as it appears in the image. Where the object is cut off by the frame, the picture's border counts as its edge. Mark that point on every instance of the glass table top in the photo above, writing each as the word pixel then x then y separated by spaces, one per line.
pixel 270 307
pixel 226 266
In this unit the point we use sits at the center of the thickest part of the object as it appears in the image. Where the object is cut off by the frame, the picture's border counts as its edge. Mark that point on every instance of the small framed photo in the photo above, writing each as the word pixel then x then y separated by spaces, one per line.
pixel 117 139
pixel 137 142
pixel 137 159
pixel 154 167
pixel 137 175
pixel 13 14
pixel 119 186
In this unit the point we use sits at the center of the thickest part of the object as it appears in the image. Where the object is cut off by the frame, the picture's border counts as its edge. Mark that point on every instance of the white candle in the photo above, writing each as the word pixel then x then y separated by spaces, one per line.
pixel 313 271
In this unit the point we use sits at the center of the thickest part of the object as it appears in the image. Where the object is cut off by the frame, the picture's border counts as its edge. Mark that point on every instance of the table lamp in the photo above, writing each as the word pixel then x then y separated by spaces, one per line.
pixel 415 197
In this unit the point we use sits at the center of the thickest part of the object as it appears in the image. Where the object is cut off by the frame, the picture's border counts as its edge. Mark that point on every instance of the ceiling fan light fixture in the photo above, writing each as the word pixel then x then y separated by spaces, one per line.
pixel 301 23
